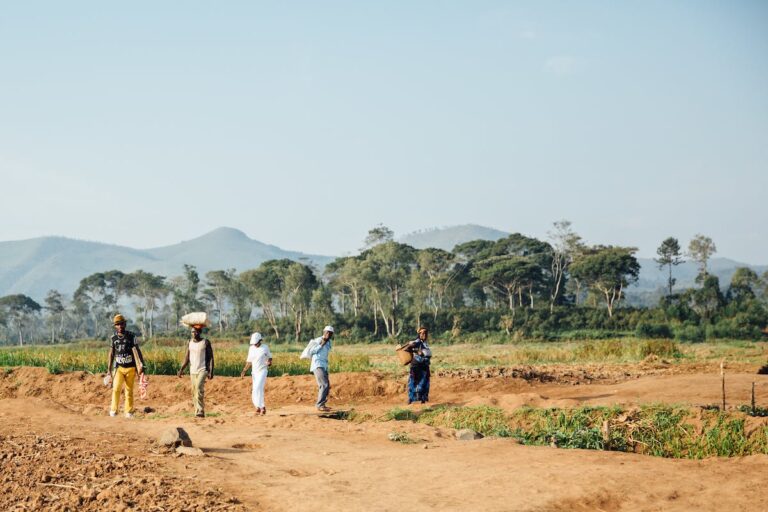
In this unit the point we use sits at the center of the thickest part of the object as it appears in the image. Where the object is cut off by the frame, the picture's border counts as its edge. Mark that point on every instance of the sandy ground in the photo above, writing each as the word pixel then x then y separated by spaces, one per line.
pixel 60 451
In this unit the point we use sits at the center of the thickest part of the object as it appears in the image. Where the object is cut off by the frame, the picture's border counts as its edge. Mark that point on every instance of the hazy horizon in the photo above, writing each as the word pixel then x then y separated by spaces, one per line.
pixel 305 125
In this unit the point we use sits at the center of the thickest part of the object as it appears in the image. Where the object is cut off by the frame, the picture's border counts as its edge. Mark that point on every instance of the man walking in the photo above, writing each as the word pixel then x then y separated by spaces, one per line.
pixel 199 358
pixel 125 360
pixel 319 350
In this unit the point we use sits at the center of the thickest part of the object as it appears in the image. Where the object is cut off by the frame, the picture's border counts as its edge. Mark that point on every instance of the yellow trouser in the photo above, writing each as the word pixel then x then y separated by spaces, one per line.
pixel 198 391
pixel 127 376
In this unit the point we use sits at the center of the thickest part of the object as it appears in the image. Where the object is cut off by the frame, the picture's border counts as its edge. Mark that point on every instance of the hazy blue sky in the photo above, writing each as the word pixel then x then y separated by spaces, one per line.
pixel 306 123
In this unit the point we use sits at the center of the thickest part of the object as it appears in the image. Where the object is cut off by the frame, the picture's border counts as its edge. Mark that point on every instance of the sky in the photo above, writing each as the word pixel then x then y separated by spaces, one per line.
pixel 305 124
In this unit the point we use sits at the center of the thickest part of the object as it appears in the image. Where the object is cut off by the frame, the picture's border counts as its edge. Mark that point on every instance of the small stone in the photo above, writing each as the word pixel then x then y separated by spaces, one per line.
pixel 172 437
pixel 467 434
pixel 188 450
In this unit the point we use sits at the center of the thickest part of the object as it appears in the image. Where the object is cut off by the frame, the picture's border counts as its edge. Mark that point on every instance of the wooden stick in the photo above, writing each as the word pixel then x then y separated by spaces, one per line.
pixel 754 409
pixel 722 379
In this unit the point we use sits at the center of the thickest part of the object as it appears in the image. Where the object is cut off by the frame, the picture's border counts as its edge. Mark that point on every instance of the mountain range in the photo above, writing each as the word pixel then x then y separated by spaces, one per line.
pixel 37 265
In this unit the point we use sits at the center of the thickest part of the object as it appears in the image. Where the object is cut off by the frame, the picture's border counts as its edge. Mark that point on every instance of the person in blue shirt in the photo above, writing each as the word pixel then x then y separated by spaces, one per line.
pixel 319 350
pixel 418 378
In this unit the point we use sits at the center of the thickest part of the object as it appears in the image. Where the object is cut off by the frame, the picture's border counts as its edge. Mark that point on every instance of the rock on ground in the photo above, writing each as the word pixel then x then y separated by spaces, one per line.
pixel 173 437
pixel 467 434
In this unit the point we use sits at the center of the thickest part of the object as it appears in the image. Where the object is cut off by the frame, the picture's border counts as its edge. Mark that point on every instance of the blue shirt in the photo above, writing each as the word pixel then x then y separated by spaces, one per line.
pixel 319 354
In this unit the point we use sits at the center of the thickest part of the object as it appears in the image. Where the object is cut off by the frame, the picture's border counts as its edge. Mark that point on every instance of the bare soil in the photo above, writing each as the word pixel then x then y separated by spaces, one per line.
pixel 59 450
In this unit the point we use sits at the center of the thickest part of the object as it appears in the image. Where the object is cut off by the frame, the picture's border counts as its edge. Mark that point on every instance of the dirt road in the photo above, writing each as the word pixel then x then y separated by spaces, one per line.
pixel 294 460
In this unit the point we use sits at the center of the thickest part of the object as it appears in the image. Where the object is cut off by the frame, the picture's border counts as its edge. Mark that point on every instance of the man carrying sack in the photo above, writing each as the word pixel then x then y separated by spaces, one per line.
pixel 318 349
pixel 199 358
pixel 125 361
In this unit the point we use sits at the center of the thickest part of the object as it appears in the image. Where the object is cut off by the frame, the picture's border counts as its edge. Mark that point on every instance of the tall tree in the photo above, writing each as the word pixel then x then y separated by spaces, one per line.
pixel 514 267
pixel 149 290
pixel 745 284
pixel 345 278
pixel 185 290
pixel 217 285
pixel 700 249
pixel 54 303
pixel 100 294
pixel 565 245
pixel 300 282
pixel 669 256
pixel 379 234
pixel 267 288
pixel 437 273
pixel 608 270
pixel 707 300
pixel 386 270
pixel 19 310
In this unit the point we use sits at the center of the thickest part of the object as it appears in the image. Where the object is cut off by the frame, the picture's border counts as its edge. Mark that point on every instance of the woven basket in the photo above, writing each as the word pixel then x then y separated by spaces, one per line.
pixel 403 356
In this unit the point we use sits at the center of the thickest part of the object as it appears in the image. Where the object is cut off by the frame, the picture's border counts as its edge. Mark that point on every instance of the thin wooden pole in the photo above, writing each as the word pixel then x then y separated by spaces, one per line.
pixel 722 380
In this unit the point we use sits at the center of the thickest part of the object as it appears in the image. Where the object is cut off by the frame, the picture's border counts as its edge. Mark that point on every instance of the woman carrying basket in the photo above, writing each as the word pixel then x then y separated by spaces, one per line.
pixel 418 379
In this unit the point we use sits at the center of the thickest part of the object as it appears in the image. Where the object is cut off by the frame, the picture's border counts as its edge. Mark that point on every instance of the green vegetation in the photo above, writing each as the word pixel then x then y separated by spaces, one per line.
pixel 517 287
pixel 166 361
pixel 658 430
pixel 163 356
pixel 489 421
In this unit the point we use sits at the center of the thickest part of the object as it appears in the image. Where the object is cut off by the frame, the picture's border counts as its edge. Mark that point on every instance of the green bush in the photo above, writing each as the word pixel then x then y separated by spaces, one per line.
pixel 653 331
pixel 660 348
pixel 690 333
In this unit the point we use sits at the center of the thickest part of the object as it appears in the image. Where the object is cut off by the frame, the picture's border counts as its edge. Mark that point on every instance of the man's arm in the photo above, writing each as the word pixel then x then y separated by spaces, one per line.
pixel 245 369
pixel 139 360
pixel 111 360
pixel 141 356
pixel 209 354
pixel 184 364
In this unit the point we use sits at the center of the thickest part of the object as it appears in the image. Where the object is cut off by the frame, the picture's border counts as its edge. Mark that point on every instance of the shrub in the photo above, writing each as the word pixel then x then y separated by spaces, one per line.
pixel 654 331
pixel 660 348
pixel 691 333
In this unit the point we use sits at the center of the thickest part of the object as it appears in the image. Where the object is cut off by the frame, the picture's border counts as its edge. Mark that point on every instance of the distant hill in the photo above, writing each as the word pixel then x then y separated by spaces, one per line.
pixel 449 237
pixel 37 265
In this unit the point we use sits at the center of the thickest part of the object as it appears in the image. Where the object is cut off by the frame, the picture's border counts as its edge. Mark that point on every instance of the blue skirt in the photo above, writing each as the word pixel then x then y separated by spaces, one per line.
pixel 418 383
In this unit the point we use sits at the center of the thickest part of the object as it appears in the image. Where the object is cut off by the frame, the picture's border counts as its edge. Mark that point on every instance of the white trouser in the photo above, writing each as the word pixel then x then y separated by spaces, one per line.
pixel 259 380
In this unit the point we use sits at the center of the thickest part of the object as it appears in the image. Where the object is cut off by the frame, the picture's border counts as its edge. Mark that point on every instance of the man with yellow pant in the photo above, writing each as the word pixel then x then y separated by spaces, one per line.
pixel 125 361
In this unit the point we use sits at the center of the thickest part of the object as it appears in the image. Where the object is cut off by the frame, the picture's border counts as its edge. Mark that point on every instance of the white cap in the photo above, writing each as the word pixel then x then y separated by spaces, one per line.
pixel 328 328
pixel 255 338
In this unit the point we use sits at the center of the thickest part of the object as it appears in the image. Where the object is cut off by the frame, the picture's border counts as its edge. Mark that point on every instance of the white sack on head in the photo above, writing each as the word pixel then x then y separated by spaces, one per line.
pixel 196 318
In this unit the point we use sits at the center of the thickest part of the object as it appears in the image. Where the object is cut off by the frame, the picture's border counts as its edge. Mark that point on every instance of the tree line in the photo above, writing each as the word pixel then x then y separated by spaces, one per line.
pixel 517 285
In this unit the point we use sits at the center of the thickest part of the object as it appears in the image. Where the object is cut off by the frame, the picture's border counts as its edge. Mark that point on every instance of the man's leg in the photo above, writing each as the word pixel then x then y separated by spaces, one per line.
pixel 324 386
pixel 198 392
pixel 130 380
pixel 117 385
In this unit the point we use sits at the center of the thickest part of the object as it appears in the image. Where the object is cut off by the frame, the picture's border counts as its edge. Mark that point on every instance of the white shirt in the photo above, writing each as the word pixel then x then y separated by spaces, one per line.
pixel 197 357
pixel 259 356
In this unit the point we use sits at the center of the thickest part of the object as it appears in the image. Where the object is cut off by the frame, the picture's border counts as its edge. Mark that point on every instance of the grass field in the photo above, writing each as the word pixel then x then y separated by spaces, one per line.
pixel 661 430
pixel 164 356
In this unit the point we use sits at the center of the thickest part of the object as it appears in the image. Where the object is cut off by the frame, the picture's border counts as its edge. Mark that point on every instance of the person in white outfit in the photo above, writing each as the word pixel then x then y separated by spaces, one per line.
pixel 260 358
